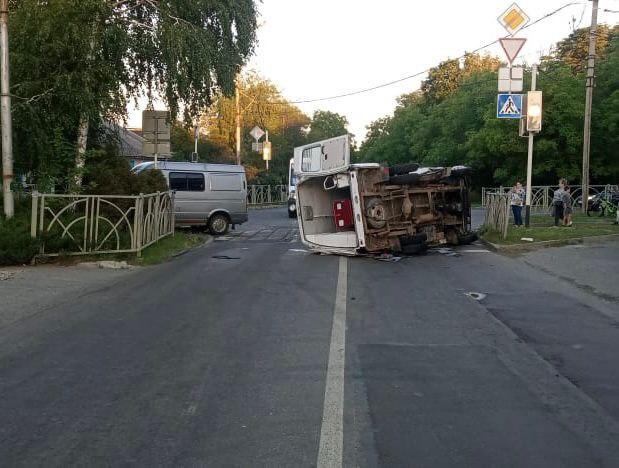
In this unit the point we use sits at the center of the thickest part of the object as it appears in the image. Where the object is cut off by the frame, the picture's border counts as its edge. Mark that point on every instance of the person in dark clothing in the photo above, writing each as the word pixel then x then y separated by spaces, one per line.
pixel 557 203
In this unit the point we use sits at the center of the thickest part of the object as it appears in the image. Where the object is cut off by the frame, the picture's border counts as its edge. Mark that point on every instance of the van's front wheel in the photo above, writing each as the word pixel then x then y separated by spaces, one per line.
pixel 219 224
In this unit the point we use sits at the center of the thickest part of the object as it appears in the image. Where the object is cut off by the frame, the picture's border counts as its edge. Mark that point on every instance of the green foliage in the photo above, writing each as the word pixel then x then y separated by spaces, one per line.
pixel 183 144
pixel 16 245
pixel 452 120
pixel 263 105
pixel 109 173
pixel 574 49
pixel 150 182
pixel 84 58
pixel 326 124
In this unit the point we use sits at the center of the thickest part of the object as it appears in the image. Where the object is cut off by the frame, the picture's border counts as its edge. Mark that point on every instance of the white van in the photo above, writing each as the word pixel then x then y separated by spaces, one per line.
pixel 214 195
pixel 353 209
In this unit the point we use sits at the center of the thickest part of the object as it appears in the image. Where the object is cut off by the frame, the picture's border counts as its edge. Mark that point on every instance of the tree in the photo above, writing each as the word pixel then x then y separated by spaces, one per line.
pixel 77 61
pixel 326 124
pixel 445 124
pixel 262 105
pixel 574 49
pixel 182 141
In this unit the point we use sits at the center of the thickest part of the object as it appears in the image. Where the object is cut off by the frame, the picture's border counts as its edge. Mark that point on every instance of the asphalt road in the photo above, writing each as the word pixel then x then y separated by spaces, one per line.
pixel 251 351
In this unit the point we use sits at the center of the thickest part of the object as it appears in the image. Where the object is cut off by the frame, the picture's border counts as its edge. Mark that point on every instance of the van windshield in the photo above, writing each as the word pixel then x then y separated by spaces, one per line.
pixel 142 166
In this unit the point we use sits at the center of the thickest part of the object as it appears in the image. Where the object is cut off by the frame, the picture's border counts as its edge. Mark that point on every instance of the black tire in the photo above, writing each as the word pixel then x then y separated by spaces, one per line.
pixel 414 239
pixel 404 179
pixel 469 238
pixel 219 224
pixel 292 213
pixel 401 169
pixel 415 249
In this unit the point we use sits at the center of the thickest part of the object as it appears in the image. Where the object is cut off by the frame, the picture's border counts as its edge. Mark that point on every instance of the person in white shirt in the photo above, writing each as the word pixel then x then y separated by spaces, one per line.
pixel 516 200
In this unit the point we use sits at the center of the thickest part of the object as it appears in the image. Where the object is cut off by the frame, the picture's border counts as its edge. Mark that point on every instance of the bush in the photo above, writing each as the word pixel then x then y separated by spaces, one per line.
pixel 108 173
pixel 150 181
pixel 16 245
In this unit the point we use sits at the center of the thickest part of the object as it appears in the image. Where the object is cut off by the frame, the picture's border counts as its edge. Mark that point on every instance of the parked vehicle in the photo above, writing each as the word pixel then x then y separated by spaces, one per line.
pixel 603 203
pixel 354 209
pixel 214 195
pixel 292 191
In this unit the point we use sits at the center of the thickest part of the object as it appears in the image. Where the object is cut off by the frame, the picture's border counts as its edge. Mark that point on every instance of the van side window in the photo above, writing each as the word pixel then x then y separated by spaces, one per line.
pixel 186 181
pixel 195 182
pixel 226 182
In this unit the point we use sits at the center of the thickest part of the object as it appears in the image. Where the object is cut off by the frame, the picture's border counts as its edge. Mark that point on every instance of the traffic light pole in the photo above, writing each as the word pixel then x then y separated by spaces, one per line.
pixel 527 213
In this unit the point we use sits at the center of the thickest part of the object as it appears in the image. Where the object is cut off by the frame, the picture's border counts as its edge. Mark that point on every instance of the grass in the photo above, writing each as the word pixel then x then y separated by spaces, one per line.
pixel 542 229
pixel 166 248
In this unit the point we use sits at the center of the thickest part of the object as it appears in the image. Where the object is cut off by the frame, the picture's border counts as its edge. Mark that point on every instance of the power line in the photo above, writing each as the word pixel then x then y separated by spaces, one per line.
pixel 415 75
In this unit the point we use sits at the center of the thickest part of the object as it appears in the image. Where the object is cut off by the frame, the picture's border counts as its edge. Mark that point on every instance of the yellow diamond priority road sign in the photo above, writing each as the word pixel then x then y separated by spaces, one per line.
pixel 513 19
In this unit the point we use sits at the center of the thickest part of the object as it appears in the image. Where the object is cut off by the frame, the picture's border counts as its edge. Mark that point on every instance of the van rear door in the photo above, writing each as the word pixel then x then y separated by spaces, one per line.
pixel 323 157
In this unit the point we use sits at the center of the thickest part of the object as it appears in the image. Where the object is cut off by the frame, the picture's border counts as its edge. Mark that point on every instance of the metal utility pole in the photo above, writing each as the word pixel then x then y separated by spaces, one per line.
pixel 588 104
pixel 5 112
pixel 527 213
pixel 238 123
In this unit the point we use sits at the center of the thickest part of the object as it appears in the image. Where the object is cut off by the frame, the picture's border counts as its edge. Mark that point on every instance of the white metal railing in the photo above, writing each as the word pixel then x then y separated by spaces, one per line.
pixel 497 213
pixel 97 224
pixel 541 195
pixel 267 194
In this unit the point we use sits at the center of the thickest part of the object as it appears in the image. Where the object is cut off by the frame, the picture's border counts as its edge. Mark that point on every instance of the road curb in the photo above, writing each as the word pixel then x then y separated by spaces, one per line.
pixel 265 207
pixel 518 248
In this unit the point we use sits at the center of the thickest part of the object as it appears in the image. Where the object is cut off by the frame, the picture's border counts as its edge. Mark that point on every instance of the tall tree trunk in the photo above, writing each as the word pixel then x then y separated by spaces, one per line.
pixel 82 141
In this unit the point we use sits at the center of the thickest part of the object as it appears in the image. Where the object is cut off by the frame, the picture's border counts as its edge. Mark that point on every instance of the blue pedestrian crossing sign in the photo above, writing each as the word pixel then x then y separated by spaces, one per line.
pixel 509 106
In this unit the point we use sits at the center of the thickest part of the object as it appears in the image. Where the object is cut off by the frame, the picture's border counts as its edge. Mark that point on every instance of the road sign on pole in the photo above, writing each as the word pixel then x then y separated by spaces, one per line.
pixel 512 46
pixel 257 133
pixel 511 79
pixel 509 106
pixel 513 19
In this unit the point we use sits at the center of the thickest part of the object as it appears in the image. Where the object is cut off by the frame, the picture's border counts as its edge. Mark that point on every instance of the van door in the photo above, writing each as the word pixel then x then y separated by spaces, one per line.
pixel 323 157
pixel 228 192
pixel 189 198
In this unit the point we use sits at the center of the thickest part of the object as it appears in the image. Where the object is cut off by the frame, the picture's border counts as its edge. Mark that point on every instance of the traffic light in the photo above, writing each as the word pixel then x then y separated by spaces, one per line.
pixel 534 111
pixel 266 151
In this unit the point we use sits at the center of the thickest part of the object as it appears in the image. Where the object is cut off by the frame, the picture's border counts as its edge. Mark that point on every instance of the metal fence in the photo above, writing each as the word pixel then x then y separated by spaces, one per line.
pixel 96 224
pixel 541 195
pixel 497 213
pixel 267 194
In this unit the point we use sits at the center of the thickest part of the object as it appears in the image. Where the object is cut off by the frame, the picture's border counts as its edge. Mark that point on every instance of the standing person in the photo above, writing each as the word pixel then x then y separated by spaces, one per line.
pixel 557 202
pixel 567 206
pixel 516 198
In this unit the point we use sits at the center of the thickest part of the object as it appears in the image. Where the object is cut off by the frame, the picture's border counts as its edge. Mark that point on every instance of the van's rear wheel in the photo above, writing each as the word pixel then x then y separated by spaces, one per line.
pixel 219 224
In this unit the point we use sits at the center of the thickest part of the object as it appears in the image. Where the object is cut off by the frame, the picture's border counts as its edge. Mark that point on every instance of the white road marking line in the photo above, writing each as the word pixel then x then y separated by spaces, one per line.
pixel 476 251
pixel 298 250
pixel 330 451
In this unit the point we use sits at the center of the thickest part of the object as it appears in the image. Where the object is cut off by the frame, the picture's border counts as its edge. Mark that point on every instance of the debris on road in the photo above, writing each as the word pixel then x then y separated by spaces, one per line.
pixel 446 251
pixel 107 264
pixel 387 258
pixel 476 295
pixel 225 257
pixel 7 275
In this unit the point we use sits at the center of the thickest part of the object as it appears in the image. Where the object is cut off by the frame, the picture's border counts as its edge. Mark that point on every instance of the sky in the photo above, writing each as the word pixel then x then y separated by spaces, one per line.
pixel 312 49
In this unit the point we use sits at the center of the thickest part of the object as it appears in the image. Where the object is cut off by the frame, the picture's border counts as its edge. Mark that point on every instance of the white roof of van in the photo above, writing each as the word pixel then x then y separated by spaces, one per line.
pixel 189 166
